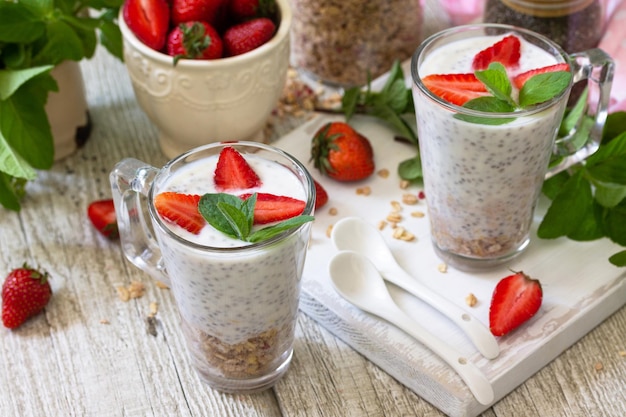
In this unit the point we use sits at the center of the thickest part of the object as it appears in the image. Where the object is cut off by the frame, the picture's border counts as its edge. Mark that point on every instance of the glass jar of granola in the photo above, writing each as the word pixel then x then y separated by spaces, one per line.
pixel 340 41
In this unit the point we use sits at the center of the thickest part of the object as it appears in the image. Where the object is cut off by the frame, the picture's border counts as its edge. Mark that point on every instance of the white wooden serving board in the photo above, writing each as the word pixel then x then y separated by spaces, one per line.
pixel 581 288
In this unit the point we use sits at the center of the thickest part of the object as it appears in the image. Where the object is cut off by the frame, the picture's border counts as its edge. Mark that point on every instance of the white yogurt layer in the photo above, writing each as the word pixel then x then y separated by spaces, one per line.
pixel 482 181
pixel 236 293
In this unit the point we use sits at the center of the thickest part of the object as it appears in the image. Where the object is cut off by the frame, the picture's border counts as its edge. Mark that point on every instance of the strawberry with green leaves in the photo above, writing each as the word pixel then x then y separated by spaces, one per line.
pixel 342 153
pixel 101 213
pixel 246 36
pixel 194 40
pixel 25 293
pixel 516 298
pixel 148 20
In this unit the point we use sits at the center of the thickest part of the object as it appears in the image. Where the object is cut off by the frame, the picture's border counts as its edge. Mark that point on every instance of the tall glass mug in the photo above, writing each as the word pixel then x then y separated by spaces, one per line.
pixel 238 302
pixel 482 180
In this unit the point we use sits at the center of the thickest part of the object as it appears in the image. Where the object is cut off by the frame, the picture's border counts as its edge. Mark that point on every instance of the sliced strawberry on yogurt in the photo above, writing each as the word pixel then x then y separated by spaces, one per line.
pixel 520 79
pixel 233 172
pixel 181 209
pixel 506 51
pixel 455 88
pixel 272 208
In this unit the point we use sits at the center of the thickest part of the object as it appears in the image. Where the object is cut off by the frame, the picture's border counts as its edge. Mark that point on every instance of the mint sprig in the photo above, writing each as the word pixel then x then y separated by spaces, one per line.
pixel 589 200
pixel 537 89
pixel 234 217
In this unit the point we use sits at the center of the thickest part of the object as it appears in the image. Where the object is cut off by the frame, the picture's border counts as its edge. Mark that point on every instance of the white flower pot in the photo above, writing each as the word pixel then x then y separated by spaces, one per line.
pixel 67 110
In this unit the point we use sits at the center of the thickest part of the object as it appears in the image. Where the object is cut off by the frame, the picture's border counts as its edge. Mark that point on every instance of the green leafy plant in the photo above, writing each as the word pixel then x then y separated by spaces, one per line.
pixel 35 36
pixel 234 217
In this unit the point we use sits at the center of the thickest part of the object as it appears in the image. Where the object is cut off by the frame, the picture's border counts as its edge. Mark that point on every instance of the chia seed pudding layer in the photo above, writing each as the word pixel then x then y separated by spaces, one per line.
pixel 482 181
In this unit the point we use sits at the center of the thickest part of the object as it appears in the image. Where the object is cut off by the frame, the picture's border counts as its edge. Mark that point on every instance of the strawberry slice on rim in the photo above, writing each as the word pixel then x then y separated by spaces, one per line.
pixel 233 172
pixel 506 51
pixel 272 208
pixel 455 88
pixel 181 209
pixel 521 79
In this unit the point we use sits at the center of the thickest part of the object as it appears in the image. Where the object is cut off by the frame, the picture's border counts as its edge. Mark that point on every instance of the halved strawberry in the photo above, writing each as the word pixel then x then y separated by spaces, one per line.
pixel 521 79
pixel 272 208
pixel 233 172
pixel 321 196
pixel 455 88
pixel 515 299
pixel 148 20
pixel 181 209
pixel 102 216
pixel 506 51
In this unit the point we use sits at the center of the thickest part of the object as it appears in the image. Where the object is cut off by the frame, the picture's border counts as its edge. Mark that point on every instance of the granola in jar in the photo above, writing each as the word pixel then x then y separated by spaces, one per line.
pixel 339 42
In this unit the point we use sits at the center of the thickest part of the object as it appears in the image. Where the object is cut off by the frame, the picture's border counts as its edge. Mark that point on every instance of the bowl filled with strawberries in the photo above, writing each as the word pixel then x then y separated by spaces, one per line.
pixel 206 70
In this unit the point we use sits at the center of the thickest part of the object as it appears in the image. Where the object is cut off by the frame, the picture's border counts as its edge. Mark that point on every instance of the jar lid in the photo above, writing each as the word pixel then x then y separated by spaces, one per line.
pixel 547 8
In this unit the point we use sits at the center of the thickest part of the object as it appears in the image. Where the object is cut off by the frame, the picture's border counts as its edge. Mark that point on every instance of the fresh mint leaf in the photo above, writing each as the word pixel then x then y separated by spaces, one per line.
pixel 11 191
pixel 234 217
pixel 568 209
pixel 573 115
pixel 11 80
pixel 12 162
pixel 349 102
pixel 396 121
pixel 63 43
pixel 18 24
pixel 209 207
pixel 588 228
pixel 611 154
pixel 24 124
pixel 614 223
pixel 543 87
pixel 411 169
pixel 614 126
pixel 497 82
pixel 609 194
pixel 618 259
pixel 271 231
pixel 487 104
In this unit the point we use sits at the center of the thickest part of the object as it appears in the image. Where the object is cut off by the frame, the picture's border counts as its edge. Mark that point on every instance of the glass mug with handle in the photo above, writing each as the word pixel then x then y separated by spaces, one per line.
pixel 238 301
pixel 484 162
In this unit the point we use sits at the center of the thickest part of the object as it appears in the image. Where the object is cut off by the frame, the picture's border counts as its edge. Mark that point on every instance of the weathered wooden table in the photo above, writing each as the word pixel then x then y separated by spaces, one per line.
pixel 91 354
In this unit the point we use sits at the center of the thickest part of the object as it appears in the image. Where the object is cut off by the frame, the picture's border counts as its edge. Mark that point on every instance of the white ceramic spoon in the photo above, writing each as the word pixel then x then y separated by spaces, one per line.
pixel 355 234
pixel 357 280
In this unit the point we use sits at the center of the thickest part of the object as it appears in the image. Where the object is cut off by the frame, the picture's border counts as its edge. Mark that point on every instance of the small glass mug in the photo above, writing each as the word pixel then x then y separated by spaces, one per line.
pixel 482 181
pixel 238 305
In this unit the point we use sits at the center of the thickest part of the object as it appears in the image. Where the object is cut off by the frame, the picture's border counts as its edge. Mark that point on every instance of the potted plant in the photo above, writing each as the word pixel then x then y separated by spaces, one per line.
pixel 35 37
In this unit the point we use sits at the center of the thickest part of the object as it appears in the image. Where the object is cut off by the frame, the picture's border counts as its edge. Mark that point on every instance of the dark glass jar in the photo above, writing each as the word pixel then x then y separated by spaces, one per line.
pixel 576 25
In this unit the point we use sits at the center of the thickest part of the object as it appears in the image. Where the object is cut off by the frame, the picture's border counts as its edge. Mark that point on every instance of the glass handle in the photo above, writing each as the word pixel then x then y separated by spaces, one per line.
pixel 131 180
pixel 597 67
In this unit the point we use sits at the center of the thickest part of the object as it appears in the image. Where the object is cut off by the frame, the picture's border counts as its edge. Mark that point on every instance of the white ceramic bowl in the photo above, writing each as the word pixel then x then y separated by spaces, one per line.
pixel 203 101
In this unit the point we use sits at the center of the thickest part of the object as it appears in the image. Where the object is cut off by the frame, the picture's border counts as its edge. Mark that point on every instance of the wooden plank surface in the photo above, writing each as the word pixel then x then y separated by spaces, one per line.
pixel 67 362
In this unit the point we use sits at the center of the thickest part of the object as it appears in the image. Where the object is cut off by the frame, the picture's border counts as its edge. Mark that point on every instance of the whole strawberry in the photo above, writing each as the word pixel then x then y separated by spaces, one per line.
pixel 515 300
pixel 194 40
pixel 246 9
pixel 148 20
pixel 342 153
pixel 246 36
pixel 210 11
pixel 25 293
